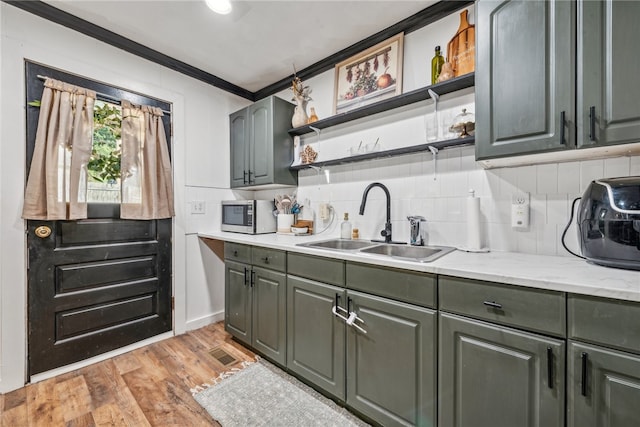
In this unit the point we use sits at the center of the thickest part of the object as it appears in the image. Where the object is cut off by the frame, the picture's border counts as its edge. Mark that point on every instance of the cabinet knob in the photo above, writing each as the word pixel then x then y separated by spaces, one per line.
pixel 266 260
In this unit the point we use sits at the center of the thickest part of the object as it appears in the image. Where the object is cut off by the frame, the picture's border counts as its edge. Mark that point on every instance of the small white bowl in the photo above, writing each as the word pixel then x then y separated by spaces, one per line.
pixel 299 230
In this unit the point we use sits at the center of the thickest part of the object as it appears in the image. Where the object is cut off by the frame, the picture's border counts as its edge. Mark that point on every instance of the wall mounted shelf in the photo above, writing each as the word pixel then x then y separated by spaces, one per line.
pixel 470 140
pixel 458 83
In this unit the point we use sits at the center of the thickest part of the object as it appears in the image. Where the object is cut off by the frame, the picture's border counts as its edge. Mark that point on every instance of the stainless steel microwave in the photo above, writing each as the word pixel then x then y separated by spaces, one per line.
pixel 248 216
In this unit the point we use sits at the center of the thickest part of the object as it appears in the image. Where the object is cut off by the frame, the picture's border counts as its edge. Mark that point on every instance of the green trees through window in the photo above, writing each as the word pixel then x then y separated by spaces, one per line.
pixel 104 165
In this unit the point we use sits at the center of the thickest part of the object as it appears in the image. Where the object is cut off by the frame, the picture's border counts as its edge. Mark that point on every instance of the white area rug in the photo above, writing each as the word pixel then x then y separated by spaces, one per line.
pixel 263 395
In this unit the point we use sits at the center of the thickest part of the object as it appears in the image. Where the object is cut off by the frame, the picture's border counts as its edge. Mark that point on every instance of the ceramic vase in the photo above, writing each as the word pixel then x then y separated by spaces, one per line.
pixel 300 117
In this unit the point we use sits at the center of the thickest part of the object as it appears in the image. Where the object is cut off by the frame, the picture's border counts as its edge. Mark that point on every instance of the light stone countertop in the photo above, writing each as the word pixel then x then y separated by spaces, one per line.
pixel 537 271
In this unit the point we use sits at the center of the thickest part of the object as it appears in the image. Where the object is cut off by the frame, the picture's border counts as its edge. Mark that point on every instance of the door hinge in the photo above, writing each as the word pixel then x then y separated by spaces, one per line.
pixel 173 303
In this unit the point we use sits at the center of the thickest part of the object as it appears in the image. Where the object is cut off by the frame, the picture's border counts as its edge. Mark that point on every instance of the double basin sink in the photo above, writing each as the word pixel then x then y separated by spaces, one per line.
pixel 406 252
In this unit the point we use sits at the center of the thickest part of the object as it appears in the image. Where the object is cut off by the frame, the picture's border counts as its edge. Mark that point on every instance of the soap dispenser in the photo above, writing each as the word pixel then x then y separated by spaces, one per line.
pixel 345 227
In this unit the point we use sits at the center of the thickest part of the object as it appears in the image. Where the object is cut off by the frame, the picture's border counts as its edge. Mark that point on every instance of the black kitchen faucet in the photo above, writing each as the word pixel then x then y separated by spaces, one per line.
pixel 387 226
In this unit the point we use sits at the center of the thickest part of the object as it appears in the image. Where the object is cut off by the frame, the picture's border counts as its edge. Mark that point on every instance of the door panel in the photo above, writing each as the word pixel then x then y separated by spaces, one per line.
pixel 238 302
pixel 261 142
pixel 525 77
pixel 269 313
pixel 495 376
pixel 607 72
pixel 391 370
pixel 87 298
pixel 612 391
pixel 239 148
pixel 315 337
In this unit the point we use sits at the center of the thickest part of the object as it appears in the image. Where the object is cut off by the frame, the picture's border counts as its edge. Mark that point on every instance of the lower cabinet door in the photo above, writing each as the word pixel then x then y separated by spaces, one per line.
pixel 391 368
pixel 604 387
pixel 269 314
pixel 492 376
pixel 238 301
pixel 315 337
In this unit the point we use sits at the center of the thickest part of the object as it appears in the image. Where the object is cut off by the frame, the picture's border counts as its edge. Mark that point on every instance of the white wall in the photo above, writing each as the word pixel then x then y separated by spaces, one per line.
pixel 200 158
pixel 438 194
pixel 440 197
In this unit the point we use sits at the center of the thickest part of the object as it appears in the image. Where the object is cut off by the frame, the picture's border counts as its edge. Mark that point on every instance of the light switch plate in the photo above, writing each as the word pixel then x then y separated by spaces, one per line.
pixel 520 210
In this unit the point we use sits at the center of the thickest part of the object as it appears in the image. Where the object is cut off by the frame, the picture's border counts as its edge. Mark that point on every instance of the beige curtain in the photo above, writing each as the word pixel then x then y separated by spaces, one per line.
pixel 147 189
pixel 57 182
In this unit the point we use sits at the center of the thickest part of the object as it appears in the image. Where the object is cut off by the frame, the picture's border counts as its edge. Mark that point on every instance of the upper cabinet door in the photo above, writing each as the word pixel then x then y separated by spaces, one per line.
pixel 608 69
pixel 524 77
pixel 261 156
pixel 239 148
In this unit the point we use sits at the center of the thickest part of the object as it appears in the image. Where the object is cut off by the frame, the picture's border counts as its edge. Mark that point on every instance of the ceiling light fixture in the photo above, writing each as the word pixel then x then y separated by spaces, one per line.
pixel 222 7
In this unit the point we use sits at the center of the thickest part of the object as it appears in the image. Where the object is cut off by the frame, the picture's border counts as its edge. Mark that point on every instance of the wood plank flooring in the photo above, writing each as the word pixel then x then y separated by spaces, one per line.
pixel 145 387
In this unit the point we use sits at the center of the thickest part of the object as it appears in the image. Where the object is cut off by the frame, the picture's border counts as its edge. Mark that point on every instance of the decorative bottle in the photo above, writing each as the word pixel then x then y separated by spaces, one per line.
pixel 313 117
pixel 345 228
pixel 436 65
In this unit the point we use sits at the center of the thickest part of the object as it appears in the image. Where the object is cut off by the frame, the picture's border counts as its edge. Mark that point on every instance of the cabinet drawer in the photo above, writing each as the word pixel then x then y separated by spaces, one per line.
pixel 269 258
pixel 402 285
pixel 605 321
pixel 534 309
pixel 326 270
pixel 237 252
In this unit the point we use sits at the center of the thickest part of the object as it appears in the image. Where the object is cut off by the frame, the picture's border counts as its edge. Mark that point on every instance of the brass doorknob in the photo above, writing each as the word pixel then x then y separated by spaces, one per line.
pixel 43 231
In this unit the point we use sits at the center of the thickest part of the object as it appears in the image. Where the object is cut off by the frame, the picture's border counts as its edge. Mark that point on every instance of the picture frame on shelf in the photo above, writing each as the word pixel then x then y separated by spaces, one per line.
pixel 370 76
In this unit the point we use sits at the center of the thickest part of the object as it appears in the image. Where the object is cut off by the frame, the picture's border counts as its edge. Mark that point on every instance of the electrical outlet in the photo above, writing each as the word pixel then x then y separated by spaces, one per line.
pixel 198 207
pixel 325 211
pixel 520 210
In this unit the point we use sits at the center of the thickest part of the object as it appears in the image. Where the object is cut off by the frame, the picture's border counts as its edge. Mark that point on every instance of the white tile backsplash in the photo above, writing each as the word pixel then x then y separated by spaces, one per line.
pixel 410 180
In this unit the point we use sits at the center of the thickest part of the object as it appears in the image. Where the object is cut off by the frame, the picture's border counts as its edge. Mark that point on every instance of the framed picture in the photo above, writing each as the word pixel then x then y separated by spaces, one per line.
pixel 370 76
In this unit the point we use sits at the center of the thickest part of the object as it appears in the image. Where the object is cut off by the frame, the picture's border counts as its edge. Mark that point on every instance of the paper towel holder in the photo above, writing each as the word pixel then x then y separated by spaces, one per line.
pixel 474 231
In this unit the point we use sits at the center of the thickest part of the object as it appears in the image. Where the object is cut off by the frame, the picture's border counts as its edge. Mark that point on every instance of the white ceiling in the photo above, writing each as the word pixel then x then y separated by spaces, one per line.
pixel 254 46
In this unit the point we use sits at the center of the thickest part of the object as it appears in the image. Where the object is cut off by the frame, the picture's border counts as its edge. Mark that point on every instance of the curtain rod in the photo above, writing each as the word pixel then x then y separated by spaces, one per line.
pixel 104 96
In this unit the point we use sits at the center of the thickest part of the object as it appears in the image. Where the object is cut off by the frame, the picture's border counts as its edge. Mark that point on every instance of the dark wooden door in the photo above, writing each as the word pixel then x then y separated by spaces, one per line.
pixel 97 284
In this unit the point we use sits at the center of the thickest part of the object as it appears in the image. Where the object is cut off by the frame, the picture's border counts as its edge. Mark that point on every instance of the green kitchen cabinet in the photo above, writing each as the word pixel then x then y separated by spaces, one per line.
pixel 261 149
pixel 495 376
pixel 391 368
pixel 315 336
pixel 389 349
pixel 608 93
pixel 238 301
pixel 603 362
pixel 255 299
pixel 604 387
pixel 524 77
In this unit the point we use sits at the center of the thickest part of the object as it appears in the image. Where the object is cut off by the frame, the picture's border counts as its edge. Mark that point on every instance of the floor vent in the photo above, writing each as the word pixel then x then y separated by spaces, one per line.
pixel 222 356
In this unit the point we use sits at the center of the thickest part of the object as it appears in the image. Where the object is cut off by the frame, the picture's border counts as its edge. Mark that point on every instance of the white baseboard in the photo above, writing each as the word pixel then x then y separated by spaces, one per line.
pixel 205 320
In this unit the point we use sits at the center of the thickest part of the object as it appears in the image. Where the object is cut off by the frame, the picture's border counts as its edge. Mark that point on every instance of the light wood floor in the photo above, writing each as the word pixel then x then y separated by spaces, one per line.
pixel 148 386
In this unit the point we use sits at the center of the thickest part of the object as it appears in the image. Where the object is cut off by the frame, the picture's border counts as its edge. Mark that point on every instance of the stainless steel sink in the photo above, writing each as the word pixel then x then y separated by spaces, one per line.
pixel 413 253
pixel 339 244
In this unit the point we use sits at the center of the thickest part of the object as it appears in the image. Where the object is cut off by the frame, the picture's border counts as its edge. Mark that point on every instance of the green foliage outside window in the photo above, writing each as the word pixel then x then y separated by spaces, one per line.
pixel 104 164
